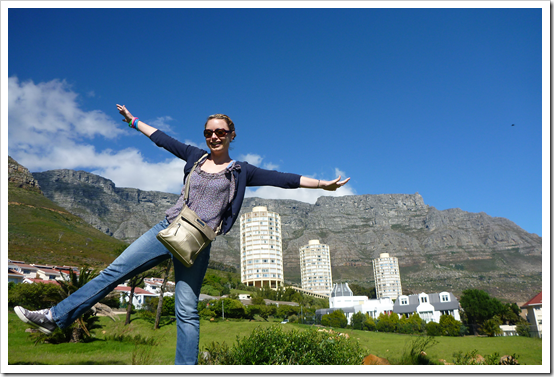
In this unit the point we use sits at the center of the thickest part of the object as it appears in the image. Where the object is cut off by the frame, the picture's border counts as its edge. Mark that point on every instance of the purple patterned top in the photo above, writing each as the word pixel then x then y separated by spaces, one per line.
pixel 209 194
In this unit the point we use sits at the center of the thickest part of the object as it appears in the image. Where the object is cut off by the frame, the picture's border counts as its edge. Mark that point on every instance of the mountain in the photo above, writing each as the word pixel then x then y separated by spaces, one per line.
pixel 40 231
pixel 437 250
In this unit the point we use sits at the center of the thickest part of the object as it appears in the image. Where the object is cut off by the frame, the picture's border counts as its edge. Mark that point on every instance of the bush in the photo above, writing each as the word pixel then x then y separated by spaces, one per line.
pixel 369 324
pixel 523 328
pixel 449 326
pixel 335 319
pixel 34 296
pixel 387 322
pixel 274 346
pixel 411 325
pixel 491 327
pixel 433 329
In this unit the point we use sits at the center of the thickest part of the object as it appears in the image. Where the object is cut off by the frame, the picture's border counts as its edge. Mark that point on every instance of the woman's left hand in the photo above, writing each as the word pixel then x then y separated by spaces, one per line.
pixel 332 185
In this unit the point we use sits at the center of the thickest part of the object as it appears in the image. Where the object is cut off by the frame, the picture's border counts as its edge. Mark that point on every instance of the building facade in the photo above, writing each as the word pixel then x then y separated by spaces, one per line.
pixel 534 314
pixel 387 276
pixel 430 307
pixel 315 267
pixel 261 250
pixel 343 298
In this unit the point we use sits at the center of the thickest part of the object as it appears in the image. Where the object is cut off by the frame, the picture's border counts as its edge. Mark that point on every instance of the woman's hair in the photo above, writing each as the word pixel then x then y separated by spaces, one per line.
pixel 228 120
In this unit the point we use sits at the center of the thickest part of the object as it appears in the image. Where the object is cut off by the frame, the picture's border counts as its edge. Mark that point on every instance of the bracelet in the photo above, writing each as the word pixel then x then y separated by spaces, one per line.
pixel 134 123
pixel 318 183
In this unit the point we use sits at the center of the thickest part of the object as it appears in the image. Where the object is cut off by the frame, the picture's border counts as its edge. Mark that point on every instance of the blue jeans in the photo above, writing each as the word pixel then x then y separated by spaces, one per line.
pixel 143 254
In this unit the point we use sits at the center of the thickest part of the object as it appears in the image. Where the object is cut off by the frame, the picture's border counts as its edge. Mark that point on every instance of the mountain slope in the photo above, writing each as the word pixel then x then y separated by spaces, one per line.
pixel 437 250
pixel 40 231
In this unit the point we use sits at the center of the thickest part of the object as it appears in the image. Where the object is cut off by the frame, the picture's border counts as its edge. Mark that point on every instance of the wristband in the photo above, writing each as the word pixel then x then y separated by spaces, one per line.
pixel 133 123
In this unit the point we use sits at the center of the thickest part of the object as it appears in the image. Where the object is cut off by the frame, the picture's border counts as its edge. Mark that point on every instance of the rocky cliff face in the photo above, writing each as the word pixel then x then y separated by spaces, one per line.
pixel 124 213
pixel 437 250
pixel 21 176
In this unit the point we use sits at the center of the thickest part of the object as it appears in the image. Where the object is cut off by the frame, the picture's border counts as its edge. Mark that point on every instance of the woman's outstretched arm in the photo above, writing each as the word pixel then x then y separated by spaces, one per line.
pixel 318 183
pixel 141 126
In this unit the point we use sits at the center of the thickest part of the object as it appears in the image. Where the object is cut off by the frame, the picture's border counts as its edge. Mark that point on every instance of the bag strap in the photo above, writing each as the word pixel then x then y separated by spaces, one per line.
pixel 187 188
pixel 187 182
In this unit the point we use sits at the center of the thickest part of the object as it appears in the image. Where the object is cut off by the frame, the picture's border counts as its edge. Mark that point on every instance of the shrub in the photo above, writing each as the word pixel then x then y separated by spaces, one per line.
pixel 411 325
pixel 274 346
pixel 449 326
pixel 337 319
pixel 34 296
pixel 491 327
pixel 523 328
pixel 433 329
pixel 387 322
pixel 369 324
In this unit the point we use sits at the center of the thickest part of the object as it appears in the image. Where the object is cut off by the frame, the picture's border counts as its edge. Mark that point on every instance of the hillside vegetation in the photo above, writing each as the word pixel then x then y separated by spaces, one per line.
pixel 39 231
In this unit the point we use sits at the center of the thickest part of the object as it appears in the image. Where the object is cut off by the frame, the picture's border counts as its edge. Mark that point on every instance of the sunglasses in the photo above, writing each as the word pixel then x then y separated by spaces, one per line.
pixel 220 132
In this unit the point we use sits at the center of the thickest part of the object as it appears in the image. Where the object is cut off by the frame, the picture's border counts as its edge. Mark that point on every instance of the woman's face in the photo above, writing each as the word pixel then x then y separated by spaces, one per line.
pixel 216 143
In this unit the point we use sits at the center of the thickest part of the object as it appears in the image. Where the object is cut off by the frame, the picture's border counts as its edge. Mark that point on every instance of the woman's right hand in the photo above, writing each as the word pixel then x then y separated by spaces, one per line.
pixel 126 113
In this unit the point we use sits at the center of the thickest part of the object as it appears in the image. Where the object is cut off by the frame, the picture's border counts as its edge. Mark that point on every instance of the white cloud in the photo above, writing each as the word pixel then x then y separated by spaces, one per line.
pixel 47 130
pixel 251 158
pixel 256 160
pixel 302 194
pixel 161 124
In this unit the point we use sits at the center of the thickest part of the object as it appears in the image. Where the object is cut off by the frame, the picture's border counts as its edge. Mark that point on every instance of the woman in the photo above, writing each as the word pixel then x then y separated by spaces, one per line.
pixel 217 188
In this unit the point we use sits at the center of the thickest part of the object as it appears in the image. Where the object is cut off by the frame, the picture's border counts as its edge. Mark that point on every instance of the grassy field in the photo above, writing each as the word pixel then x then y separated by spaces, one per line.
pixel 106 350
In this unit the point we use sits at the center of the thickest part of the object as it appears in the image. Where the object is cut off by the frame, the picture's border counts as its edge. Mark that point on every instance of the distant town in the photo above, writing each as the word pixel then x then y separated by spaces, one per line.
pixel 262 266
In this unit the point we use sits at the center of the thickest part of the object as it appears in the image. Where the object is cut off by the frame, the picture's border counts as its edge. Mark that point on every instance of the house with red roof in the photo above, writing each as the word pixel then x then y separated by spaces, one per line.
pixel 15 276
pixel 534 314
pixel 139 297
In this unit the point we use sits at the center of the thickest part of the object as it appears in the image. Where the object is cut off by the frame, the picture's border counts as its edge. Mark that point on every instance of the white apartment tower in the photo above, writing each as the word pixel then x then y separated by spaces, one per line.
pixel 387 276
pixel 315 267
pixel 261 251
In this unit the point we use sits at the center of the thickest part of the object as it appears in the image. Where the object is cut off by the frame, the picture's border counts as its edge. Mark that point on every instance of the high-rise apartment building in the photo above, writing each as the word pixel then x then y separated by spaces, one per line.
pixel 261 251
pixel 387 276
pixel 315 267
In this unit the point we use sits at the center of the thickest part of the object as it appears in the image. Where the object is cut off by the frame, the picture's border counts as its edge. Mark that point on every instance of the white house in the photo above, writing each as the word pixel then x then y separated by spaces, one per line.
pixel 49 274
pixel 26 269
pixel 534 314
pixel 343 298
pixel 139 297
pixel 430 306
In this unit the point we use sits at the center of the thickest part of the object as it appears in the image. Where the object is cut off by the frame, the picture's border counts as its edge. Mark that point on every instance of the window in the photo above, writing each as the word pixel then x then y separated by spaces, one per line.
pixel 403 301
pixel 445 297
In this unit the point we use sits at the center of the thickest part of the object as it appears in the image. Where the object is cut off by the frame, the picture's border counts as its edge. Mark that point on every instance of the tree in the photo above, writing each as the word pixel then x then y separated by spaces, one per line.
pixel 358 320
pixel 134 282
pixel 161 296
pixel 511 316
pixel 480 307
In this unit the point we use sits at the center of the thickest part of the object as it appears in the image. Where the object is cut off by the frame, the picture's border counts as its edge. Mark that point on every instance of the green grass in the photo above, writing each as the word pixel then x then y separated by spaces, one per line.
pixel 106 351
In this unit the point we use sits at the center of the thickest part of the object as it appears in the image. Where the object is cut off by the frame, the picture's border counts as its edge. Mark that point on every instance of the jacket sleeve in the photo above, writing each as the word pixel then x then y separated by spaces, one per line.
pixel 181 150
pixel 262 177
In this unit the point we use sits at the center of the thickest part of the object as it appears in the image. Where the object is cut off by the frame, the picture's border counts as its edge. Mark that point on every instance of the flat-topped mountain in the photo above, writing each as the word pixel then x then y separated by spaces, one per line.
pixel 437 250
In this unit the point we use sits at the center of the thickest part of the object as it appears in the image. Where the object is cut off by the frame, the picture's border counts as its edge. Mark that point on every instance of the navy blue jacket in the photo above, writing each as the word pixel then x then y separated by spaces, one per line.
pixel 247 175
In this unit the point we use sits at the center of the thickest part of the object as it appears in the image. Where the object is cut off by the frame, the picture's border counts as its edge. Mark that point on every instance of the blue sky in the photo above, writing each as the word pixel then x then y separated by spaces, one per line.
pixel 400 100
